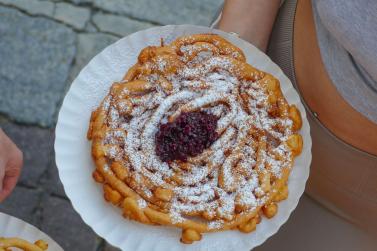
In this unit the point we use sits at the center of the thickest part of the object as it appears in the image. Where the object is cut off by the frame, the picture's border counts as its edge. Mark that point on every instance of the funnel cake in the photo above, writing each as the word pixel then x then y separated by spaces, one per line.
pixel 195 137
pixel 9 244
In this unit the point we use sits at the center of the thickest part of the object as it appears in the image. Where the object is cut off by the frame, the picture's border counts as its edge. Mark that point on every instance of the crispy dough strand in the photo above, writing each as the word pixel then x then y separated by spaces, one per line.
pixel 234 181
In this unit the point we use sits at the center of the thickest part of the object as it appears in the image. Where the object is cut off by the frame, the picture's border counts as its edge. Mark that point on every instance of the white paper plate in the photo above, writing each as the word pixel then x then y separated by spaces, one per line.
pixel 12 227
pixel 75 164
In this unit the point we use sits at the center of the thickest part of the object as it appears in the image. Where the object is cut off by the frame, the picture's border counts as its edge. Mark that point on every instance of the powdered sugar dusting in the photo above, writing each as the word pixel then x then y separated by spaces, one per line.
pixel 141 203
pixel 226 175
pixel 216 224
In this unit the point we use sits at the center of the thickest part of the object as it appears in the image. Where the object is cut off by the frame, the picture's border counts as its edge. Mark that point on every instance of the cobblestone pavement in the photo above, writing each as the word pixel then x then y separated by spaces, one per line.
pixel 43 46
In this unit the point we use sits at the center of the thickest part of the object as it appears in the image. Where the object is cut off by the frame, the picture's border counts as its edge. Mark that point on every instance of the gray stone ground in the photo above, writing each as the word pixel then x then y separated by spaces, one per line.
pixel 43 46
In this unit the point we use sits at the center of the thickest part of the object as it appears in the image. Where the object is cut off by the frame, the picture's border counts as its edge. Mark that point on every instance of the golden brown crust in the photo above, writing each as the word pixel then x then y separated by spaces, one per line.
pixel 128 190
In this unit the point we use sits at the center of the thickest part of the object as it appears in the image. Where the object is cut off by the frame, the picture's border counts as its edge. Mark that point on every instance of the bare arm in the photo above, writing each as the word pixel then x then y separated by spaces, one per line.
pixel 251 19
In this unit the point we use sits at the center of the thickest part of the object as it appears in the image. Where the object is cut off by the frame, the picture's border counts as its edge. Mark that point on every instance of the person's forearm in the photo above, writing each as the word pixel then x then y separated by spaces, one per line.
pixel 251 19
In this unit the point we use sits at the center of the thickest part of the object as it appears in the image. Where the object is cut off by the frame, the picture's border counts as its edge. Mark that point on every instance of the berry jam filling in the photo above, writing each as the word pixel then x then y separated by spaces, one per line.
pixel 187 136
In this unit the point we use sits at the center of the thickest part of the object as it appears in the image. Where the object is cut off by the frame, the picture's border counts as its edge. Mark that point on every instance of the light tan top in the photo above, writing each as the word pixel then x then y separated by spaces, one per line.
pixel 318 91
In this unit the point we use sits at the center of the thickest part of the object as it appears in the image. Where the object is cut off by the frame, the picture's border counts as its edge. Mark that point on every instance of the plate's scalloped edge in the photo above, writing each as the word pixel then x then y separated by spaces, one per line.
pixel 304 131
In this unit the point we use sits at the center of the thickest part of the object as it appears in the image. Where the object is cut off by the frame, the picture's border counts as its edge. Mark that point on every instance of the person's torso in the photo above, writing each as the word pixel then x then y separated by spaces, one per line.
pixel 336 87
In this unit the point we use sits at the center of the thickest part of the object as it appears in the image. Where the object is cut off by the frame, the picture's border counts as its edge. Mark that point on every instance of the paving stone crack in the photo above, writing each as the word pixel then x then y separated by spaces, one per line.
pixel 99 10
pixel 59 196
pixel 7 118
pixel 21 184
pixel 41 16
pixel 101 245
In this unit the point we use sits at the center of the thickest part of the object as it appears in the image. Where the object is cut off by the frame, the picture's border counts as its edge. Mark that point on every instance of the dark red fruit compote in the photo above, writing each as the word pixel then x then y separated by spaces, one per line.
pixel 187 136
